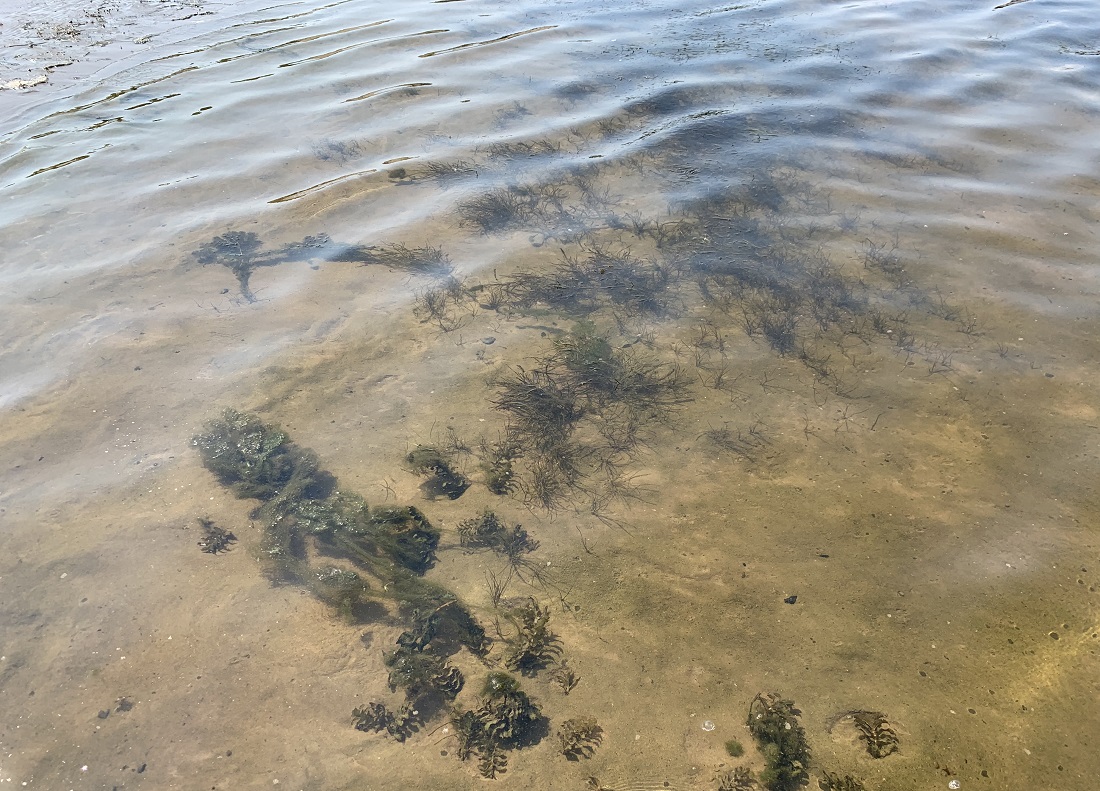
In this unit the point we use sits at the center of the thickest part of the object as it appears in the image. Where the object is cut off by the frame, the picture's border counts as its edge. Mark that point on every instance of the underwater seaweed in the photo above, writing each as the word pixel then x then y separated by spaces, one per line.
pixel 533 646
pixel 505 719
pixel 737 779
pixel 564 677
pixel 579 737
pixel 442 480
pixel 874 731
pixel 831 782
pixel 773 722
pixel 214 539
pixel 425 260
pixel 595 278
pixel 489 531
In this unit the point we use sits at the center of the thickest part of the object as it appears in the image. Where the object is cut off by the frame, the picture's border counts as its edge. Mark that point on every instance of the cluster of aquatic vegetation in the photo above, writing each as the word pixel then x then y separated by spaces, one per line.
pixel 243 252
pixel 579 737
pixel 577 414
pixel 573 418
pixel 775 724
pixel 349 554
pixel 368 564
pixel 874 730
pixel 214 539
pixel 442 479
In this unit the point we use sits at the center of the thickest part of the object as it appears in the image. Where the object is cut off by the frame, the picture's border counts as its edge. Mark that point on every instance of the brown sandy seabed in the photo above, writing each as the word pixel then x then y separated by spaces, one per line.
pixel 956 510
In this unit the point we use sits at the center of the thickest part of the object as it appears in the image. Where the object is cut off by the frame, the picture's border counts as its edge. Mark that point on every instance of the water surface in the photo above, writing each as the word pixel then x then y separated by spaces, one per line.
pixel 859 237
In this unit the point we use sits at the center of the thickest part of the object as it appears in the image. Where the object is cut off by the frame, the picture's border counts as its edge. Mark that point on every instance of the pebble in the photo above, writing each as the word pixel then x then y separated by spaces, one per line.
pixel 708 726
pixel 488 340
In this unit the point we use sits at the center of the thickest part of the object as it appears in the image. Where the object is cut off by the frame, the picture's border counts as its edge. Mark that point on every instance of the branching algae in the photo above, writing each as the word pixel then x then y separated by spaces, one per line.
pixel 579 737
pixel 306 518
pixel 773 722
pixel 214 539
pixel 442 480
pixel 533 646
pixel 874 731
pixel 505 719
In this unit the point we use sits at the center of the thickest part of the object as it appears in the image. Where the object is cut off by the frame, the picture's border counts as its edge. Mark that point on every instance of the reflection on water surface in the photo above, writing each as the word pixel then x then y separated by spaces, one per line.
pixel 570 395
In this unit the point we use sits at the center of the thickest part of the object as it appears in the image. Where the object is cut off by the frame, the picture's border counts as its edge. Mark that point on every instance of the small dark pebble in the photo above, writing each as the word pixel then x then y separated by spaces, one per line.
pixel 822 555
pixel 790 600
pixel 1053 635
pixel 443 753
pixel 1049 376
pixel 488 340
pixel 103 714
pixel 141 768
pixel 985 773
pixel 972 711
pixel 225 290
pixel 124 704
pixel 923 674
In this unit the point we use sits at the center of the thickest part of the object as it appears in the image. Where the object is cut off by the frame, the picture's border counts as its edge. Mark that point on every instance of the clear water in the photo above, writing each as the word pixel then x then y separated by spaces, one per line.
pixel 862 236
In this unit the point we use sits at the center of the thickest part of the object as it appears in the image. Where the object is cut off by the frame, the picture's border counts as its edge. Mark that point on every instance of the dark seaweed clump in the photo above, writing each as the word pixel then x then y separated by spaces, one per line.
pixel 874 730
pixel 214 539
pixel 242 252
pixel 489 531
pixel 773 722
pixel 579 737
pixel 737 779
pixel 831 782
pixel 579 414
pixel 597 277
pixel 427 679
pixel 351 556
pixel 505 719
pixel 442 479
pixel 533 646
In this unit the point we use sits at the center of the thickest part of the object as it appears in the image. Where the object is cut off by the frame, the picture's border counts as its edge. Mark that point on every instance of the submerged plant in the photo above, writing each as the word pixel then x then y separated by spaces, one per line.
pixel 242 253
pixel 831 782
pixel 737 779
pixel 773 722
pixel 874 731
pixel 505 719
pixel 214 539
pixel 442 480
pixel 305 514
pixel 534 645
pixel 579 737
pixel 489 531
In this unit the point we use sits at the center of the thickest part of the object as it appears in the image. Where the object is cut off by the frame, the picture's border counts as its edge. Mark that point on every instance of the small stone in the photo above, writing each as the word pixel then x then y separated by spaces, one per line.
pixel 708 726
pixel 488 340
pixel 103 714
pixel 790 600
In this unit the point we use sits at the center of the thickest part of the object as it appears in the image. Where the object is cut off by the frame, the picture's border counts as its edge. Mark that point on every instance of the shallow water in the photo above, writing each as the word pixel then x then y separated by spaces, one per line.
pixel 859 238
